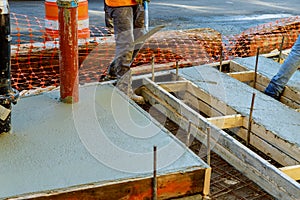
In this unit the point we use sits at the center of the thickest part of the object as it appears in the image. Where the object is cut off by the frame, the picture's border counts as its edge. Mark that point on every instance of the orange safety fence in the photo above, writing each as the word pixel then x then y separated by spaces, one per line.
pixel 35 59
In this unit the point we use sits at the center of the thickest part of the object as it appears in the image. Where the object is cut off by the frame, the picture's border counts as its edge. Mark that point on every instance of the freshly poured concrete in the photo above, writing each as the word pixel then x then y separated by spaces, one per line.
pixel 102 138
pixel 268 68
pixel 273 115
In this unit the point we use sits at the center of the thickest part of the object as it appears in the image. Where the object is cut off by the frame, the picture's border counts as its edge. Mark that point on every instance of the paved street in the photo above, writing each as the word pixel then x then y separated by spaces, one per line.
pixel 228 17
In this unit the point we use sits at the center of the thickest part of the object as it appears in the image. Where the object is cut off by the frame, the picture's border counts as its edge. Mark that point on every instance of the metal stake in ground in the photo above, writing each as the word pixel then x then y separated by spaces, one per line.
pixel 154 195
pixel 177 70
pixel 68 44
pixel 280 50
pixel 208 145
pixel 256 65
pixel 250 120
pixel 153 71
pixel 7 95
pixel 221 57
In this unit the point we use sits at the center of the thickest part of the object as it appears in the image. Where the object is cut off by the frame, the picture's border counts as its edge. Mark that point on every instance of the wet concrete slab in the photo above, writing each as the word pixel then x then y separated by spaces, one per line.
pixel 281 120
pixel 105 137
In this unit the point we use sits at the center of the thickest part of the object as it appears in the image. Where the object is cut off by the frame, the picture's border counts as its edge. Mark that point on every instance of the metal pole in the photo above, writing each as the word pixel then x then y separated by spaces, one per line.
pixel 153 71
pixel 7 94
pixel 68 44
pixel 177 70
pixel 280 50
pixel 250 120
pixel 255 70
pixel 154 197
pixel 208 145
pixel 221 58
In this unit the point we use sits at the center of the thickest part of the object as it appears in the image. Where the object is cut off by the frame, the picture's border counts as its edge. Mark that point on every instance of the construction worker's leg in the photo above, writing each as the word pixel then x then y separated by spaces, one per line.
pixel 287 69
pixel 123 27
pixel 108 19
pixel 139 25
pixel 139 21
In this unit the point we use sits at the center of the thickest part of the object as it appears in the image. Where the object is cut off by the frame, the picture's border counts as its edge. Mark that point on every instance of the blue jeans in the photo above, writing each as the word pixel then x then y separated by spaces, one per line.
pixel 287 69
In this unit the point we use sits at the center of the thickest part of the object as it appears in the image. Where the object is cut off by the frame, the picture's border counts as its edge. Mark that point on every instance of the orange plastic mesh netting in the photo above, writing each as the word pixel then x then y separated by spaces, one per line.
pixel 35 59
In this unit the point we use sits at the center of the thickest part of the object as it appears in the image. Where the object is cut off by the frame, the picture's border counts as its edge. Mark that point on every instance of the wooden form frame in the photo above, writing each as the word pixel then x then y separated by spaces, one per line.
pixel 217 110
pixel 290 97
pixel 270 178
pixel 192 181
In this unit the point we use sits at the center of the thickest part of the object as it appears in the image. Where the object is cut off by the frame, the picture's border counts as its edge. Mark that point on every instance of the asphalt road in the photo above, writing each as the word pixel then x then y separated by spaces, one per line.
pixel 228 17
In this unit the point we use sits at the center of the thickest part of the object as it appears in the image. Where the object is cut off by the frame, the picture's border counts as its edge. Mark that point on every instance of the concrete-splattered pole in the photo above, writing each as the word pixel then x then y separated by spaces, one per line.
pixel 68 57
pixel 7 94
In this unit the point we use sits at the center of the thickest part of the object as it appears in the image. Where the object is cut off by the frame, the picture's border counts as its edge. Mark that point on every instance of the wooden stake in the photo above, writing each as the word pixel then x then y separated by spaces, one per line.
pixel 154 173
pixel 250 120
pixel 255 71
pixel 208 146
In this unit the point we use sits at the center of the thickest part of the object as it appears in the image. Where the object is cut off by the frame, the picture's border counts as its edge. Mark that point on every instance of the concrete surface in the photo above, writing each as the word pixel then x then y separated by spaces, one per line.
pixel 273 115
pixel 102 138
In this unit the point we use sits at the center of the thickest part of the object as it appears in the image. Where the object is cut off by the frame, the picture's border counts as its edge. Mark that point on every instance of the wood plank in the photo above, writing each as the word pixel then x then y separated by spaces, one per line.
pixel 279 143
pixel 169 186
pixel 236 67
pixel 172 65
pixel 172 101
pixel 262 83
pixel 292 171
pixel 174 86
pixel 228 121
pixel 263 146
pixel 244 76
pixel 200 106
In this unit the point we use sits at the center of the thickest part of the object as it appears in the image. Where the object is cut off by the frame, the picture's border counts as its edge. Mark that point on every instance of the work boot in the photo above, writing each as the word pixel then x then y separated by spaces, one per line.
pixel 136 98
pixel 125 85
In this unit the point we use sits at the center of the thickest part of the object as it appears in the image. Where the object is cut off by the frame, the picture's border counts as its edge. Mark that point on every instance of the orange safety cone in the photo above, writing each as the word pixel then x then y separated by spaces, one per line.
pixel 51 20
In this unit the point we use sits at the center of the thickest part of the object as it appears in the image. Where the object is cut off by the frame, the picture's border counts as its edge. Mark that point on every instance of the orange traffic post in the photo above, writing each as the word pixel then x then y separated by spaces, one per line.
pixel 51 20
pixel 68 56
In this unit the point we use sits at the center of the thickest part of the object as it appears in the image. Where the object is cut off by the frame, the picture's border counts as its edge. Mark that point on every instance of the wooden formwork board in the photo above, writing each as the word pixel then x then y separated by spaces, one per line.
pixel 253 166
pixel 194 181
pixel 213 107
pixel 267 68
pixel 274 122
pixel 262 139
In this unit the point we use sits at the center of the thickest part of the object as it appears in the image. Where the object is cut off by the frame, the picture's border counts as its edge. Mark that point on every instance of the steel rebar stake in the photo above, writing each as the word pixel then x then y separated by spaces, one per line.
pixel 7 94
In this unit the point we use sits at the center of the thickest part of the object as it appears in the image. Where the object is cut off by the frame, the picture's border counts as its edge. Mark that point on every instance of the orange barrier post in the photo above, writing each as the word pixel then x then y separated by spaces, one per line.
pixel 51 20
pixel 68 44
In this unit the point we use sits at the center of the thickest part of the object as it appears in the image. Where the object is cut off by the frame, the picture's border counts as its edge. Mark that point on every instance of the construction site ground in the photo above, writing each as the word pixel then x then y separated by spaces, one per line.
pixel 227 17
pixel 227 183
